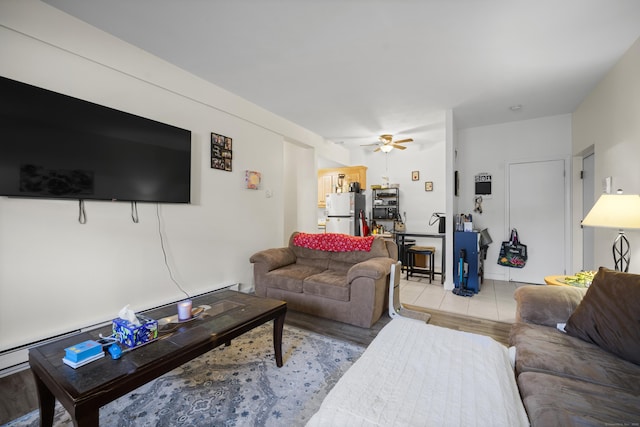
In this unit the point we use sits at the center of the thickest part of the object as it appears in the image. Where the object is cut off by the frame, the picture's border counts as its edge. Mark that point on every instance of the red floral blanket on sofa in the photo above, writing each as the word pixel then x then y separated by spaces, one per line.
pixel 333 242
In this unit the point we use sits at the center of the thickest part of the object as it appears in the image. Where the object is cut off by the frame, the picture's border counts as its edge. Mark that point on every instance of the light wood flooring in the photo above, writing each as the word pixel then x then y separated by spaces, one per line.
pixel 18 392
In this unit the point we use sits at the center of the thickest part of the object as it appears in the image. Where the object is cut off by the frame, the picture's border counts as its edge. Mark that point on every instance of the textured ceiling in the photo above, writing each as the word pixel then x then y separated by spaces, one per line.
pixel 350 70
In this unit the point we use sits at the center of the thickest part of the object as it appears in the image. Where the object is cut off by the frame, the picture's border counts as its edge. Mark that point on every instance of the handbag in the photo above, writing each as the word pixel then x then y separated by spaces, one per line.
pixel 512 252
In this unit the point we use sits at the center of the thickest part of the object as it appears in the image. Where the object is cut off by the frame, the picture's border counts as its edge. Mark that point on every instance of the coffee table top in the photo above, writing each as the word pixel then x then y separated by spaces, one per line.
pixel 231 314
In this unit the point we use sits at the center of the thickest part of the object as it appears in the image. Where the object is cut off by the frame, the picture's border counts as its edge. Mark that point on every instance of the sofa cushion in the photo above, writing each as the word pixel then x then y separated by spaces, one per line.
pixel 342 261
pixel 545 349
pixel 546 305
pixel 328 284
pixel 310 257
pixel 553 401
pixel 609 314
pixel 290 277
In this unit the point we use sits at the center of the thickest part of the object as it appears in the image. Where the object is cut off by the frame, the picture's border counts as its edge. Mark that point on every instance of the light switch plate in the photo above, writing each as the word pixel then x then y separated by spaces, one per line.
pixel 606 185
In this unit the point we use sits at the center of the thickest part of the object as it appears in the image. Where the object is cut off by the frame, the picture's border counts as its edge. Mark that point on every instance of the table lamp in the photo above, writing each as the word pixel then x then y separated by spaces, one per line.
pixel 621 211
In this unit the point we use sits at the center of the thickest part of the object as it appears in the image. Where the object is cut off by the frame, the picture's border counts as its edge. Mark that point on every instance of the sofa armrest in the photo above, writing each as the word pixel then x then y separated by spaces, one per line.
pixel 373 268
pixel 274 258
pixel 546 305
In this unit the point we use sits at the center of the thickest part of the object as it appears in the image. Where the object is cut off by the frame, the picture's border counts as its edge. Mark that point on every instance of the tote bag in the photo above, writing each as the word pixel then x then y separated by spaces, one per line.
pixel 512 252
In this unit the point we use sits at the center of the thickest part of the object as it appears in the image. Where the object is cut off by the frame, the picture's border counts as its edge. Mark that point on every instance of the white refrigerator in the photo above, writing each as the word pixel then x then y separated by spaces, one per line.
pixel 343 213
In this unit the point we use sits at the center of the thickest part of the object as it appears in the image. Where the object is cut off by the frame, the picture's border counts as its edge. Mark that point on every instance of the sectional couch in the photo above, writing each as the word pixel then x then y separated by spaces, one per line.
pixel 586 373
pixel 342 281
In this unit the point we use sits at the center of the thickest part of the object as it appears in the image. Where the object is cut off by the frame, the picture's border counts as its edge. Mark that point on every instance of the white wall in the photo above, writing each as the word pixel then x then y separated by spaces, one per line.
pixel 418 204
pixel 489 149
pixel 300 183
pixel 57 275
pixel 609 121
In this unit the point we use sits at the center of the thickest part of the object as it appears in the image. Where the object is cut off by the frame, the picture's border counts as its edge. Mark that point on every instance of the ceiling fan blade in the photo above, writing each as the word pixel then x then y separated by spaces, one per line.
pixel 376 150
pixel 399 147
pixel 403 141
pixel 369 145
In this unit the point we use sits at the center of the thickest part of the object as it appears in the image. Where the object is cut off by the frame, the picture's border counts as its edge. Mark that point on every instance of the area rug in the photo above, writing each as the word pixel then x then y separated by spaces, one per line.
pixel 238 385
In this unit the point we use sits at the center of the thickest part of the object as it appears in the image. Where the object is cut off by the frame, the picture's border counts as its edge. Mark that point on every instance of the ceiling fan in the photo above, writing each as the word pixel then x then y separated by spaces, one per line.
pixel 386 143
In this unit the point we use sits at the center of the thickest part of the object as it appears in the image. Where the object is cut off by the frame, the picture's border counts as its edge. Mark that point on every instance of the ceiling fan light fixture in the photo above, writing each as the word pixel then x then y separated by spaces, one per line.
pixel 386 148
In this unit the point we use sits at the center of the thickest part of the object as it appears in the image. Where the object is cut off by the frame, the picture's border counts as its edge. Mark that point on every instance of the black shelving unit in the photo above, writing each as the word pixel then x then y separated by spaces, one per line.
pixel 386 204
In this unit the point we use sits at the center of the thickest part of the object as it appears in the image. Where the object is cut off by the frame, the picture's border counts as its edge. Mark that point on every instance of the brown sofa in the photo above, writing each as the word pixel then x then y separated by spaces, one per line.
pixel 349 287
pixel 590 374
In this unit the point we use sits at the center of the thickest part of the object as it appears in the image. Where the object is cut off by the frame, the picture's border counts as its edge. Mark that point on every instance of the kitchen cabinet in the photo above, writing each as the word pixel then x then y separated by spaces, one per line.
pixel 328 180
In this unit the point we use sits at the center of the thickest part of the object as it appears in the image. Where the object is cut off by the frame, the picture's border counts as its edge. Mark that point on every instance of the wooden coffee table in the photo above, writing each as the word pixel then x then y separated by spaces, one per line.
pixel 84 390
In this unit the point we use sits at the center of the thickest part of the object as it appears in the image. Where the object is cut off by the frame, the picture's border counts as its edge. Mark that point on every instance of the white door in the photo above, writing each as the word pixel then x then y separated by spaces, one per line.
pixel 536 208
pixel 342 225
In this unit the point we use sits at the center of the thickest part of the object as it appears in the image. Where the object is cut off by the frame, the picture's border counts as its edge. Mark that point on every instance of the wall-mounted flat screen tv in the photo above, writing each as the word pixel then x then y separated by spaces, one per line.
pixel 57 146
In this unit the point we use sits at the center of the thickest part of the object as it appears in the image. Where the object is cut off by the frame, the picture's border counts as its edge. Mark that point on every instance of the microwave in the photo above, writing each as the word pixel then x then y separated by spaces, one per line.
pixel 385 212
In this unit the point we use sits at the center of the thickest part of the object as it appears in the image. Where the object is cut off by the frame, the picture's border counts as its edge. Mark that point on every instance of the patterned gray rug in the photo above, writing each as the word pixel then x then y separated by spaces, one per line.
pixel 238 385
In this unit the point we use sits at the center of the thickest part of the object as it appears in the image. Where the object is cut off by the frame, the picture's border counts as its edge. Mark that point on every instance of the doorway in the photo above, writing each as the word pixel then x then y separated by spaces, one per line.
pixel 536 208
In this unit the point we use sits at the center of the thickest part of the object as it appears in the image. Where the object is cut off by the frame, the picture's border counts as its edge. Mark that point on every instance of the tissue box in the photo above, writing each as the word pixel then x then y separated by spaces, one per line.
pixel 131 335
pixel 82 351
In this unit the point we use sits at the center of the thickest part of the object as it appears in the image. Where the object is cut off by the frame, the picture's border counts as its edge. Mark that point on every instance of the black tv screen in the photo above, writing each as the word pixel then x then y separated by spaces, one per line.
pixel 57 146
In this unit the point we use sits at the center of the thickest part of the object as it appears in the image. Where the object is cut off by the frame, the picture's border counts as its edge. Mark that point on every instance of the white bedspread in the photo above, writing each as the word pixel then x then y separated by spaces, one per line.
pixel 415 374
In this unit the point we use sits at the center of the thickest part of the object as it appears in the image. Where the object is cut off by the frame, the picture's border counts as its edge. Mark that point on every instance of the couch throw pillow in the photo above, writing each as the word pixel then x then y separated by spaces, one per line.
pixel 609 314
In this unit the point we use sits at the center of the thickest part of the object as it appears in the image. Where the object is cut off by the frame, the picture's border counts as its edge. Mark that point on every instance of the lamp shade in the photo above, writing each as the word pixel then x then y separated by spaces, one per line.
pixel 620 211
pixel 386 148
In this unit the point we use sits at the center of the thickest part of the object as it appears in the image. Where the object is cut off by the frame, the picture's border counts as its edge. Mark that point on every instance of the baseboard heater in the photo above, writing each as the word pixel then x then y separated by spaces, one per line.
pixel 17 359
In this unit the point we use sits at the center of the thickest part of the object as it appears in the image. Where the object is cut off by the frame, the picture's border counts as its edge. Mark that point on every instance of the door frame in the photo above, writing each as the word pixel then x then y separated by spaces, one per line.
pixel 568 253
pixel 588 184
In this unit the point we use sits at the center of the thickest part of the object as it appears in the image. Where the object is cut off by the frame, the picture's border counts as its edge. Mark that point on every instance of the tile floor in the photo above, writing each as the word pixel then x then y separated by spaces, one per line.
pixel 494 301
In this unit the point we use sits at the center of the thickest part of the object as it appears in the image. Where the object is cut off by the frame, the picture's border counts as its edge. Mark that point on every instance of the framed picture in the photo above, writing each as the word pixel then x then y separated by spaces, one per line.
pixel 221 152
pixel 415 176
pixel 252 179
pixel 428 186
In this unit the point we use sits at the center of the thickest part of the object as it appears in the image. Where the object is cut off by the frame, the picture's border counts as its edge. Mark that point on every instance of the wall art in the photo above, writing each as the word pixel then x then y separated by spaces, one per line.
pixel 221 152
pixel 252 179
pixel 428 186
pixel 415 176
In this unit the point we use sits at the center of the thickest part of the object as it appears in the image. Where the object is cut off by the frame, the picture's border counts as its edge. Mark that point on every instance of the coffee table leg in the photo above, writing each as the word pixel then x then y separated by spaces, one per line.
pixel 47 403
pixel 89 418
pixel 278 324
